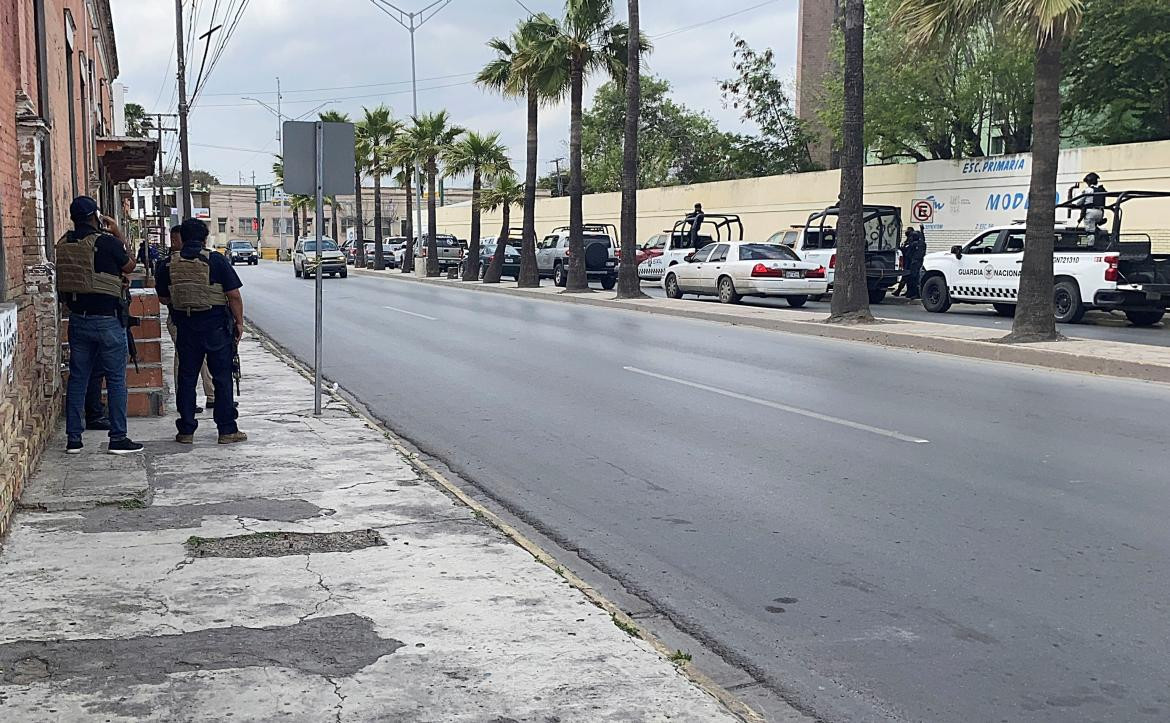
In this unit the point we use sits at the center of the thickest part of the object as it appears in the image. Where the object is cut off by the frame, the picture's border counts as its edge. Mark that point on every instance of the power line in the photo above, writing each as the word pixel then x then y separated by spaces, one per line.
pixel 686 28
pixel 526 8
pixel 344 97
pixel 339 87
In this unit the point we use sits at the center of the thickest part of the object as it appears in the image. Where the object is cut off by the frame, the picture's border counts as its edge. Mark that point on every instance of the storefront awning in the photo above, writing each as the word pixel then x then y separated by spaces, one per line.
pixel 127 158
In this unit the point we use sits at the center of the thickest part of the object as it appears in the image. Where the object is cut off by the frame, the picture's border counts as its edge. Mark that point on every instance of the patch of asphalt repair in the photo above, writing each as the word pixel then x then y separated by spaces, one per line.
pixel 283 544
pixel 337 645
pixel 125 518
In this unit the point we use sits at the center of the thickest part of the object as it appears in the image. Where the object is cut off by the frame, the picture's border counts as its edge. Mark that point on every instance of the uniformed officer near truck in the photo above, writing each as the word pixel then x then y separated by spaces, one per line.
pixel 202 291
pixel 1093 202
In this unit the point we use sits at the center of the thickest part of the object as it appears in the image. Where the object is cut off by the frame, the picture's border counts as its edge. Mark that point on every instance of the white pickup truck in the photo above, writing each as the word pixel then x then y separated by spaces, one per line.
pixel 686 238
pixel 1092 269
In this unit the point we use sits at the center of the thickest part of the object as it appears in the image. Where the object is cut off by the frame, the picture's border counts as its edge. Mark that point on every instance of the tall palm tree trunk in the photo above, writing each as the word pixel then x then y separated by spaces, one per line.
pixel 629 285
pixel 408 249
pixel 296 226
pixel 379 259
pixel 529 276
pixel 1035 320
pixel 360 220
pixel 496 268
pixel 333 218
pixel 471 263
pixel 578 279
pixel 850 296
pixel 432 220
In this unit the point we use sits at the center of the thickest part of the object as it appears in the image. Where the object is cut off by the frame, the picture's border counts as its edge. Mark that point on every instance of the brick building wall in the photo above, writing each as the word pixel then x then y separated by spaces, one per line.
pixel 57 60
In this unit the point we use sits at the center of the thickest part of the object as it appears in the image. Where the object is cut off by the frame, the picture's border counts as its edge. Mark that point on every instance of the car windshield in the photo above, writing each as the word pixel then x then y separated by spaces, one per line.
pixel 242 245
pixel 766 252
pixel 325 246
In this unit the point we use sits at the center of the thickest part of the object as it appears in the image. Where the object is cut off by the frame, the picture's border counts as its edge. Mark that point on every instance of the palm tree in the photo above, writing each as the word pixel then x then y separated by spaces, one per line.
pixel 516 72
pixel 378 130
pixel 629 285
pixel 480 155
pixel 1049 22
pixel 850 301
pixel 504 193
pixel 333 116
pixel 430 136
pixel 361 156
pixel 589 40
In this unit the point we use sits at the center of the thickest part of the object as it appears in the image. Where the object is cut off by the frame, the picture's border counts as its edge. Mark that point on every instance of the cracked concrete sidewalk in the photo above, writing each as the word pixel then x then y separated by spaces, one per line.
pixel 412 609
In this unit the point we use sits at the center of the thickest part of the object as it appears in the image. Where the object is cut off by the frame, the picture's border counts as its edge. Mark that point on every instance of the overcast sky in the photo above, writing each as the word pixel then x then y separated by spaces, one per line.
pixel 349 52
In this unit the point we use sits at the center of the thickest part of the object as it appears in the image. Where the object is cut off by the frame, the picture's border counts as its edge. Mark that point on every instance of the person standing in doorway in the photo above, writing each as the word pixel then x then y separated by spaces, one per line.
pixel 90 262
pixel 203 292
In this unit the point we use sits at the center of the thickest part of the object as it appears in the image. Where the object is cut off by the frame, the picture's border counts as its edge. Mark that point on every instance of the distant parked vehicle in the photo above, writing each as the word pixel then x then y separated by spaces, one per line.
pixel 651 247
pixel 305 259
pixel 450 251
pixel 387 255
pixel 601 255
pixel 240 251
pixel 487 249
pixel 734 269
pixel 683 239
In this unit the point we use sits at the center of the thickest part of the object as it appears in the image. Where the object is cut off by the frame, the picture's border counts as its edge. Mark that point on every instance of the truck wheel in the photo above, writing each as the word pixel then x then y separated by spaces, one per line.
pixel 1144 318
pixel 1008 310
pixel 935 296
pixel 609 282
pixel 796 301
pixel 876 296
pixel 1067 299
pixel 559 276
pixel 727 293
pixel 344 273
pixel 672 290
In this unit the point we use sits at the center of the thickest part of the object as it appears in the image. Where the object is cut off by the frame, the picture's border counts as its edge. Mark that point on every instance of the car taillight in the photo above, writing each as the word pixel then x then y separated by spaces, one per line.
pixel 817 273
pixel 833 261
pixel 761 270
pixel 1111 272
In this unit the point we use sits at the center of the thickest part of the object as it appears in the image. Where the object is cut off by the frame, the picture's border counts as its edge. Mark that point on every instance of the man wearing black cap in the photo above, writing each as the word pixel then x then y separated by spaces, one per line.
pixel 90 262
pixel 202 291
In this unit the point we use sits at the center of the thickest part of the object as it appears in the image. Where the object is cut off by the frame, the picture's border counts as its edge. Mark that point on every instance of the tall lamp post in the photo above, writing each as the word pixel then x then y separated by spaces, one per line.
pixel 412 22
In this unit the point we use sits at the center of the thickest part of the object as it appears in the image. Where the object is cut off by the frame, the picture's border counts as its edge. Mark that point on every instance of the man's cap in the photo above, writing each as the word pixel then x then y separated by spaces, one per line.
pixel 82 207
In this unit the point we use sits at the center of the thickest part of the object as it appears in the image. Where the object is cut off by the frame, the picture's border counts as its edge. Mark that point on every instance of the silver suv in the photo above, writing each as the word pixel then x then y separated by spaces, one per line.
pixel 305 259
pixel 601 255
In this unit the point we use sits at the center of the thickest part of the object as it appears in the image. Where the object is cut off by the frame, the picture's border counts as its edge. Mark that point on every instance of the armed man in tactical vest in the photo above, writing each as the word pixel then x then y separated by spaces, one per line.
pixel 204 375
pixel 90 262
pixel 203 292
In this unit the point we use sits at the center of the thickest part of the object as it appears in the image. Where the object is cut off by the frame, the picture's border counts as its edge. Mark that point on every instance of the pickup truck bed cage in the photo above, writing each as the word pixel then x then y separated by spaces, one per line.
pixel 725 227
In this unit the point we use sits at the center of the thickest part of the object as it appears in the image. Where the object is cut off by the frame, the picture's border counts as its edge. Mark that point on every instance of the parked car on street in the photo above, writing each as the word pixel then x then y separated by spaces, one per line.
pixel 240 251
pixel 305 259
pixel 816 241
pixel 601 255
pixel 734 269
pixel 388 258
pixel 685 238
pixel 1093 268
pixel 487 249
pixel 450 251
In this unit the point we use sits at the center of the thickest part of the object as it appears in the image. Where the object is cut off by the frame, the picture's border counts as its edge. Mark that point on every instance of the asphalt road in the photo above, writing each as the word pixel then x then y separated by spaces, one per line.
pixel 881 534
pixel 1102 325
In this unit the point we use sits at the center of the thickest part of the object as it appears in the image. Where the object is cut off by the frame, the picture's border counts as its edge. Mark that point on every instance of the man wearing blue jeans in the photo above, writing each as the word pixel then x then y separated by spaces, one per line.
pixel 90 262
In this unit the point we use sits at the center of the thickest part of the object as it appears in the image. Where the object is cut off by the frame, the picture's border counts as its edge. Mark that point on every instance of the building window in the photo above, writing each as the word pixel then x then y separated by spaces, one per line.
pixel 244 225
pixel 222 225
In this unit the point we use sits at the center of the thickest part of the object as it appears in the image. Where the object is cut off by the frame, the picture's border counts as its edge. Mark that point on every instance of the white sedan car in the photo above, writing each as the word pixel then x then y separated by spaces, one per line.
pixel 733 269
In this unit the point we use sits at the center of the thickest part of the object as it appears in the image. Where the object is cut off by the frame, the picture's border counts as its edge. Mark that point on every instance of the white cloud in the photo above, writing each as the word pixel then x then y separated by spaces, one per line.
pixel 320 47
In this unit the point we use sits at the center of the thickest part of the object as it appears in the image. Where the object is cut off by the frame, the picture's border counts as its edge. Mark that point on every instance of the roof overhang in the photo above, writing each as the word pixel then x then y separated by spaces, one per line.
pixel 127 158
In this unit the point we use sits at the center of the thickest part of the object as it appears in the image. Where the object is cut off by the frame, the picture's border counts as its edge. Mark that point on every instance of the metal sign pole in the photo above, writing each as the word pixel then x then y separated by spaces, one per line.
pixel 319 134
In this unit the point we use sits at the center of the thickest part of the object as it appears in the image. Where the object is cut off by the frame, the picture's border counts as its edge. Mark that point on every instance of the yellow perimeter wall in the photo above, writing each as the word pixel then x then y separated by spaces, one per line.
pixel 963 196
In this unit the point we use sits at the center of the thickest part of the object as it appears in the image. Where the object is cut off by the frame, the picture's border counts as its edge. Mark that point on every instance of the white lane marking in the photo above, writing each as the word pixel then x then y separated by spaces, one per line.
pixel 783 407
pixel 404 311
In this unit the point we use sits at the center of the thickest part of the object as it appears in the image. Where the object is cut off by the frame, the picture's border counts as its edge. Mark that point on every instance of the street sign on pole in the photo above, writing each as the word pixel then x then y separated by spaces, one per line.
pixel 318 161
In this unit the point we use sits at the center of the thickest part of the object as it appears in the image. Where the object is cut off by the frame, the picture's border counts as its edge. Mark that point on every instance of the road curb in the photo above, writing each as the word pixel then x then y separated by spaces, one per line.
pixel 871 334
pixel 729 701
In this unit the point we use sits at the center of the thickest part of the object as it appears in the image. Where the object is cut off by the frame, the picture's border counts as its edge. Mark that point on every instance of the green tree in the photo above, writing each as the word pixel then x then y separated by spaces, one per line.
pixel 199 179
pixel 378 131
pixel 401 157
pixel 479 155
pixel 629 285
pixel 761 97
pixel 138 123
pixel 430 137
pixel 297 204
pixel 504 193
pixel 516 71
pixel 1118 90
pixel 589 41
pixel 1048 23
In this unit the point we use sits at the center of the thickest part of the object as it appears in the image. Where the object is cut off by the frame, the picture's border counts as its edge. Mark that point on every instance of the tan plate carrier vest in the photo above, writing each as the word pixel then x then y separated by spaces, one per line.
pixel 75 268
pixel 191 287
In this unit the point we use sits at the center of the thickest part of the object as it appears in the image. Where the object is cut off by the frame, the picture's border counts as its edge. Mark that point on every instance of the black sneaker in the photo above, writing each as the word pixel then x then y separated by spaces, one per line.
pixel 124 446
pixel 198 409
pixel 73 446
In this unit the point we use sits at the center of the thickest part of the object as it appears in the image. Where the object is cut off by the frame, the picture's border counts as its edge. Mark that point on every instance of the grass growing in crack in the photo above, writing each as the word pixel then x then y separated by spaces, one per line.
pixel 560 571
pixel 131 504
pixel 196 541
pixel 678 657
pixel 477 514
pixel 625 627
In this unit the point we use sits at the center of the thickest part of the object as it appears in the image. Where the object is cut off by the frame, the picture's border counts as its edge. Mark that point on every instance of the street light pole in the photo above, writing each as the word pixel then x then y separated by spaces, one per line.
pixel 280 145
pixel 412 22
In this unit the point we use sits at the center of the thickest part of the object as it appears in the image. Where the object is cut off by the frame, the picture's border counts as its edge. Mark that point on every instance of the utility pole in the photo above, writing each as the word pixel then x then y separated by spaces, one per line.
pixel 184 159
pixel 412 22
pixel 280 145
pixel 560 179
